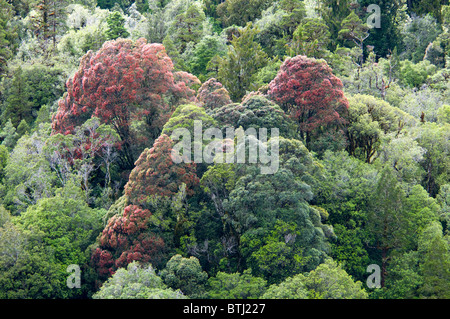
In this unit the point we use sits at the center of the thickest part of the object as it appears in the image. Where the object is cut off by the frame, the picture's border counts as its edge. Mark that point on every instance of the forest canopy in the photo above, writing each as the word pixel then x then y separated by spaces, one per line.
pixel 351 103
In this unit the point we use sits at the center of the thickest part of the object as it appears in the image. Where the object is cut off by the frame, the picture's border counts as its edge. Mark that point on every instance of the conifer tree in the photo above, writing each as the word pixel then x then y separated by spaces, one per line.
pixel 244 58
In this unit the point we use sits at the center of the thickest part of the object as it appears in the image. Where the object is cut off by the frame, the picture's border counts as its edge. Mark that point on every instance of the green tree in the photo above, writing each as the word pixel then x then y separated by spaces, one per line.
pixel 354 30
pixel 269 215
pixel 255 112
pixel 422 210
pixel 244 58
pixel 186 275
pixel 369 120
pixel 431 7
pixel 417 33
pixel 333 12
pixel 327 281
pixel 184 117
pixel 6 14
pixel 116 26
pixel 344 192
pixel 109 4
pixel 386 38
pixel 403 278
pixel 240 12
pixel 236 286
pixel 386 221
pixel 136 282
pixel 290 288
pixel 28 89
pixel 187 27
pixel 57 232
pixel 18 106
pixel 9 135
pixel 204 51
pixel 311 38
pixel 435 267
pixel 434 138
pixel 444 114
pixel 414 75
pixel 48 21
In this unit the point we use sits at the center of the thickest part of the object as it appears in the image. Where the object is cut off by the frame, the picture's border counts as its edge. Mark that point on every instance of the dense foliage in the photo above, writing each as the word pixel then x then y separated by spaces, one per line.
pixel 95 201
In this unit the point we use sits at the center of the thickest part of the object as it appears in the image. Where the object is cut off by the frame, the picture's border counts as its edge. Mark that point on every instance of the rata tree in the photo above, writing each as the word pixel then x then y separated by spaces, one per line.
pixel 156 174
pixel 309 92
pixel 126 238
pixel 124 83
pixel 212 94
pixel 146 228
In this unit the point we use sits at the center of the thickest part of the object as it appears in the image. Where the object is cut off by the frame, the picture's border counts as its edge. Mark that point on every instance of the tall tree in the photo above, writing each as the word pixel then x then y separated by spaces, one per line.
pixel 386 38
pixel 187 27
pixel 309 92
pixel 240 12
pixel 244 58
pixel 328 281
pixel 6 13
pixel 18 106
pixel 369 120
pixel 122 83
pixel 386 219
pixel 311 38
pixel 435 266
pixel 116 26
pixel 333 12
pixel 353 29
pixel 48 21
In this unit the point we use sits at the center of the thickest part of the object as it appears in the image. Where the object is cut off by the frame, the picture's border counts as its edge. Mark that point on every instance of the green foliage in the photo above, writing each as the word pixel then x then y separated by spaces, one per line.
pixel 311 38
pixel 327 281
pixel 116 28
pixel 254 112
pixel 54 233
pixel 109 4
pixel 6 14
pixel 9 135
pixel 204 51
pixel 136 282
pixel 87 176
pixel 244 58
pixel 333 12
pixel 444 114
pixel 370 120
pixel 236 286
pixel 187 27
pixel 28 90
pixel 183 118
pixel 414 75
pixel 240 12
pixel 417 32
pixel 436 263
pixel 185 274
pixel 434 139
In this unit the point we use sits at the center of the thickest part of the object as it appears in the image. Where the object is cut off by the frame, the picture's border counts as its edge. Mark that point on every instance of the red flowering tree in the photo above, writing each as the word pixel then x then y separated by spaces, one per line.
pixel 156 174
pixel 137 234
pixel 122 83
pixel 213 95
pixel 307 90
pixel 126 238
